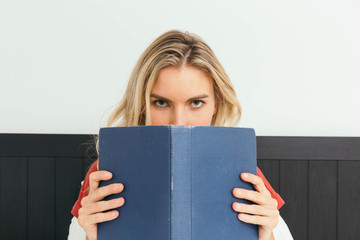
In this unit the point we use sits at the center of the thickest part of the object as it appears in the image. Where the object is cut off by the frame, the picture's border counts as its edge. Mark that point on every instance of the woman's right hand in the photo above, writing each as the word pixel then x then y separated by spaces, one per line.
pixel 92 208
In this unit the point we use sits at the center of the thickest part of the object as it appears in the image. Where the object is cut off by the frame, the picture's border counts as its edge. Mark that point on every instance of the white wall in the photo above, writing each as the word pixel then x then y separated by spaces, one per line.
pixel 295 64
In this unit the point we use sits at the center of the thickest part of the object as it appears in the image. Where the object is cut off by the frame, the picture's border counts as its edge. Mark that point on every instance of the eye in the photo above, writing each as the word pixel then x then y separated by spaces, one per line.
pixel 159 103
pixel 197 103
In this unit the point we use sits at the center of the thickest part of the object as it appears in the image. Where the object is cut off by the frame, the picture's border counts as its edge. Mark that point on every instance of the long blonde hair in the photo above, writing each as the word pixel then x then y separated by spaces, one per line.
pixel 174 48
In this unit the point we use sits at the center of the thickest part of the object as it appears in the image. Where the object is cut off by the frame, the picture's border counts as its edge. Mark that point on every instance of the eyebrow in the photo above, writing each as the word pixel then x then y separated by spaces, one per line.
pixel 189 100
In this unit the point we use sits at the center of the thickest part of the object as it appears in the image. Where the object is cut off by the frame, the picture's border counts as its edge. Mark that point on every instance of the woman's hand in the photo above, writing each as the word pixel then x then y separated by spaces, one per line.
pixel 264 213
pixel 91 211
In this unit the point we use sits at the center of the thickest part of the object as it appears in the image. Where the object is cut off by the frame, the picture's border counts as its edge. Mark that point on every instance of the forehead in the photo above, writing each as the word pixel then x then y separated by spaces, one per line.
pixel 184 81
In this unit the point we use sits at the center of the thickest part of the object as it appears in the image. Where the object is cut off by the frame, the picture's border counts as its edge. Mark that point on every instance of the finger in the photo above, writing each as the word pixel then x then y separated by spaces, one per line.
pixel 254 209
pixel 253 196
pixel 256 181
pixel 102 192
pixel 270 222
pixel 102 217
pixel 105 191
pixel 96 177
pixel 103 206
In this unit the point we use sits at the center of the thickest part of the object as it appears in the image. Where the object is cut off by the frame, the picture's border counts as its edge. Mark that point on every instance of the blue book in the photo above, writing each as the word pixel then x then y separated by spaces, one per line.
pixel 178 181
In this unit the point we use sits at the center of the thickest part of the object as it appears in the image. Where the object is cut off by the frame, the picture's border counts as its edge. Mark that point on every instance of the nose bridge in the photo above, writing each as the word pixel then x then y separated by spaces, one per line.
pixel 179 116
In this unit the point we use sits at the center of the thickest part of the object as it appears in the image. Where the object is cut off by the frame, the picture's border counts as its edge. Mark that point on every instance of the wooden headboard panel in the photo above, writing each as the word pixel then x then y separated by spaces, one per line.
pixel 318 178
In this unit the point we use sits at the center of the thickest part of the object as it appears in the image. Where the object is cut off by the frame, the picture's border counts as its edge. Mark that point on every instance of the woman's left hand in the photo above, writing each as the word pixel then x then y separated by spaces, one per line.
pixel 264 213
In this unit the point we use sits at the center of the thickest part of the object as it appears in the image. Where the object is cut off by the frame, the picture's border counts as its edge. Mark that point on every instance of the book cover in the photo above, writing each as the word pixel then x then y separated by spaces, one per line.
pixel 178 181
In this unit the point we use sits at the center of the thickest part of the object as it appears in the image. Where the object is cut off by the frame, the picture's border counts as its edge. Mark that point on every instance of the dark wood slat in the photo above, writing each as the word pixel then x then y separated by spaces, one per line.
pixel 322 199
pixel 41 200
pixel 270 169
pixel 349 200
pixel 13 195
pixel 87 162
pixel 68 183
pixel 45 145
pixel 308 148
pixel 294 191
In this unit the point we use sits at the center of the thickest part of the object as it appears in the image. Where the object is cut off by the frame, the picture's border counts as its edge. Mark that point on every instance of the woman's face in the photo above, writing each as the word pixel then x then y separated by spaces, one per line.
pixel 182 96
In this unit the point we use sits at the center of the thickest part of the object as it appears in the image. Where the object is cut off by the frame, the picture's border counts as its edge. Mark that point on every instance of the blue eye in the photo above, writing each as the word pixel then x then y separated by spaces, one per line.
pixel 198 103
pixel 160 103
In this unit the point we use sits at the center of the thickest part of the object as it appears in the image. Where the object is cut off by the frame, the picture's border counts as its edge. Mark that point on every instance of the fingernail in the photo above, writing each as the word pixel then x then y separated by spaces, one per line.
pixel 238 191
pixel 245 175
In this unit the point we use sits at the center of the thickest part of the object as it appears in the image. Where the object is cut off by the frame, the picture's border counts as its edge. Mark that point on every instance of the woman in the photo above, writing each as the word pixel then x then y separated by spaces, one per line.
pixel 177 80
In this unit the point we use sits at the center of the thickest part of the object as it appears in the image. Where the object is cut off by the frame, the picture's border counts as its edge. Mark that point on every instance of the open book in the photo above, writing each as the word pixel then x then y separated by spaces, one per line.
pixel 178 181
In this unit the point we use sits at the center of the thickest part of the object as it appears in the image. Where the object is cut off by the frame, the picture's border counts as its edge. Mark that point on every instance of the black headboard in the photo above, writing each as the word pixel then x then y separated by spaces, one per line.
pixel 318 178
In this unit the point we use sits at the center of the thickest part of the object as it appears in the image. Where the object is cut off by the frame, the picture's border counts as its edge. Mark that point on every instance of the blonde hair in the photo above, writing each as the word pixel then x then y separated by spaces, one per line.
pixel 177 49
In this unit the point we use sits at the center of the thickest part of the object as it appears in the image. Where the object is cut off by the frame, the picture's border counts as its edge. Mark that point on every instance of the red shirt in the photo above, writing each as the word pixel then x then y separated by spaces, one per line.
pixel 84 191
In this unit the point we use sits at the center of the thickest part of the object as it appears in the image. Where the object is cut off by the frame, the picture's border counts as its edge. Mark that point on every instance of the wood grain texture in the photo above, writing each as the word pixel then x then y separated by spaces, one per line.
pixel 322 199
pixel 349 200
pixel 270 169
pixel 308 148
pixel 46 145
pixel 294 182
pixel 87 162
pixel 13 195
pixel 41 200
pixel 67 187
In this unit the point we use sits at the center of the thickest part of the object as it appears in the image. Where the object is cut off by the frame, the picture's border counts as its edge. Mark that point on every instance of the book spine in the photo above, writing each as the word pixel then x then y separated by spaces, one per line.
pixel 180 166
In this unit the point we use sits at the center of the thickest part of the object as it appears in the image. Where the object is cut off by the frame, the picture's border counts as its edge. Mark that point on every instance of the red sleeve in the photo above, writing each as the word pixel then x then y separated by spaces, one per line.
pixel 84 191
pixel 271 190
